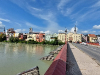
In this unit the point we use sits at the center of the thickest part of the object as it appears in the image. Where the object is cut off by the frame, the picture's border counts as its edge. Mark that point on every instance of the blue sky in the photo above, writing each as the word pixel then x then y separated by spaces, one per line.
pixel 51 16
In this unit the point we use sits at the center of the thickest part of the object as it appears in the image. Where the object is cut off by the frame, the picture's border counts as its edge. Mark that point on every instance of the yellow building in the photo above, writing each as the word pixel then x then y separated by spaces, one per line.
pixel 92 38
pixel 72 37
pixel 15 34
pixel 61 37
pixel 31 37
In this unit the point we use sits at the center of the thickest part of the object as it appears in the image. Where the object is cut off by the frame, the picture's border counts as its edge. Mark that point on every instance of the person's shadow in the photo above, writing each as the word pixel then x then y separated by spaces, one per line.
pixel 72 66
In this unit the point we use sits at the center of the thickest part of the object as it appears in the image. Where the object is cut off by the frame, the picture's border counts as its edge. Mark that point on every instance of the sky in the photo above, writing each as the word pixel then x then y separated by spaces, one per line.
pixel 51 16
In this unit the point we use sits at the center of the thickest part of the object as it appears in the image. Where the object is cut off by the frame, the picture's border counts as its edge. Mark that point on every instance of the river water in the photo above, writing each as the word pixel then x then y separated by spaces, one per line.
pixel 16 58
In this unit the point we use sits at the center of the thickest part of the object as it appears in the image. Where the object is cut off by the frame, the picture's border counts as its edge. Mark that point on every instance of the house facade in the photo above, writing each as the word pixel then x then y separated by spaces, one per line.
pixel 10 32
pixel 51 37
pixel 40 37
pixel 71 37
pixel 61 37
pixel 36 36
pixel 92 38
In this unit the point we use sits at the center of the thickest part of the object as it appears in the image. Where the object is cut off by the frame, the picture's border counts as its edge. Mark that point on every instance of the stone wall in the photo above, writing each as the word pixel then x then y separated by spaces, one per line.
pixel 33 71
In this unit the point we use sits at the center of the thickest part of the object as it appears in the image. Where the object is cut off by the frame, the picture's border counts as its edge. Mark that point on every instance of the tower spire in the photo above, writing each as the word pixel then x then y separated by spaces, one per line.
pixel 4 29
pixel 75 29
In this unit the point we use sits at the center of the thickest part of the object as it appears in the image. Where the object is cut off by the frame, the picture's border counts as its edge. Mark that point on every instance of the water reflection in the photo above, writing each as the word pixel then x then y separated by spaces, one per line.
pixel 15 58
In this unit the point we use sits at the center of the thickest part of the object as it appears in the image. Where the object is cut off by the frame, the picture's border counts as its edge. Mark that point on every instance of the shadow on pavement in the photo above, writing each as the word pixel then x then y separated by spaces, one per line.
pixel 72 66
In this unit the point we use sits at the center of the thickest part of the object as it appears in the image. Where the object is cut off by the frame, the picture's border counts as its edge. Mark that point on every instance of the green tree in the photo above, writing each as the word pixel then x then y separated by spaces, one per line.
pixel 2 37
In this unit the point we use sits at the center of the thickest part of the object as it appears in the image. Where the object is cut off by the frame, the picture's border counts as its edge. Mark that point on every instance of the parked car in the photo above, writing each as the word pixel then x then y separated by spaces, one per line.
pixel 83 43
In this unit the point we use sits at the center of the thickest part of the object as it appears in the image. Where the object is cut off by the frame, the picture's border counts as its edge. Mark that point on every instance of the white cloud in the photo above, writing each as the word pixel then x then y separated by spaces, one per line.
pixel 36 9
pixel 34 26
pixel 73 28
pixel 47 15
pixel 6 20
pixel 62 3
pixel 61 31
pixel 85 31
pixel 20 30
pixel 97 4
pixel 94 31
pixel 46 32
pixel 96 26
pixel 1 25
pixel 18 24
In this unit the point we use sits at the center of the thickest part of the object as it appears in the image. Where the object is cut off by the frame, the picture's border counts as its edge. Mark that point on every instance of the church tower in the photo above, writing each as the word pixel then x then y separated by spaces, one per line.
pixel 75 29
pixel 4 30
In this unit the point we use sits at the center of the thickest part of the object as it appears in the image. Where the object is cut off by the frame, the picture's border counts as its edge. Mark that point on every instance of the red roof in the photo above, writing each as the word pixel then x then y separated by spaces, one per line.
pixel 91 35
pixel 1 32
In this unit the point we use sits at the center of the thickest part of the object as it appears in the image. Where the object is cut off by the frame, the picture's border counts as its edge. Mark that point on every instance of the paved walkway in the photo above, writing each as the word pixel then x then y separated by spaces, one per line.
pixel 80 63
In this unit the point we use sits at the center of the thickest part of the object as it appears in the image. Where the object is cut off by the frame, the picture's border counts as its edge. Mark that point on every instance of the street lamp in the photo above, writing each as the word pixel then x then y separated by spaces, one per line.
pixel 65 35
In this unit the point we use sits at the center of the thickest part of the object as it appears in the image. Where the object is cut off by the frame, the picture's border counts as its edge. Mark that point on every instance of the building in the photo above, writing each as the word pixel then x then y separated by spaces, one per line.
pixel 36 36
pixel 51 37
pixel 98 38
pixel 92 38
pixel 16 35
pixel 40 37
pixel 10 32
pixel 85 38
pixel 71 37
pixel 61 37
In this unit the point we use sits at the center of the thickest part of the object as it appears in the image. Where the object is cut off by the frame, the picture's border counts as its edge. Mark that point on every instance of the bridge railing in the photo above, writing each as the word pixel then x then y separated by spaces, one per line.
pixel 58 67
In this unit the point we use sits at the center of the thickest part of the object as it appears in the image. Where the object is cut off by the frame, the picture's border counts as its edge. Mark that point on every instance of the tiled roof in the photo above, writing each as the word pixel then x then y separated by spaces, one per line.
pixel 1 32
pixel 91 35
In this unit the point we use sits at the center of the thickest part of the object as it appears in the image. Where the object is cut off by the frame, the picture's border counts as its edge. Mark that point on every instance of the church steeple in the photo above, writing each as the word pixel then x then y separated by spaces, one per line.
pixel 75 29
pixel 4 29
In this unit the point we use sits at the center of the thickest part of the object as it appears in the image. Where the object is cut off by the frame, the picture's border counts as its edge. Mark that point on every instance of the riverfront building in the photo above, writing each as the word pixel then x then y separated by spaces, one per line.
pixel 51 37
pixel 10 32
pixel 71 37
pixel 36 36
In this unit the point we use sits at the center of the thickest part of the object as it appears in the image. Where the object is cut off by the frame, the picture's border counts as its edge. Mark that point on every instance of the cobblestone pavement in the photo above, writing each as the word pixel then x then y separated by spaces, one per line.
pixel 79 63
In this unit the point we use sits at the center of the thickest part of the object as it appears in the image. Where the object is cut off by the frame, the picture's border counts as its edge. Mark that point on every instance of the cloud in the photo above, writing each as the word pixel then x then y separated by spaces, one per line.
pixel 61 31
pixel 85 31
pixel 6 20
pixel 62 3
pixel 20 30
pixel 96 26
pixel 93 31
pixel 97 4
pixel 34 26
pixel 36 9
pixel 49 16
pixel 1 25
pixel 73 28
pixel 46 32
pixel 18 24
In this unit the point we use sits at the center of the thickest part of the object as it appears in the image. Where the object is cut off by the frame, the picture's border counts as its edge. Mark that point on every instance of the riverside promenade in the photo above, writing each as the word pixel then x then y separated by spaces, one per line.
pixel 79 63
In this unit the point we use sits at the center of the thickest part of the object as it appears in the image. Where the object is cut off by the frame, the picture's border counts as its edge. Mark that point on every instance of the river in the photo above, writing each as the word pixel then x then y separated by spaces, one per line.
pixel 16 58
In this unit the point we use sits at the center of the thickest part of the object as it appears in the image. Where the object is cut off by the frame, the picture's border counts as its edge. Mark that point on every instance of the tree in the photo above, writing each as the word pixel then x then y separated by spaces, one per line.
pixel 2 37
pixel 11 39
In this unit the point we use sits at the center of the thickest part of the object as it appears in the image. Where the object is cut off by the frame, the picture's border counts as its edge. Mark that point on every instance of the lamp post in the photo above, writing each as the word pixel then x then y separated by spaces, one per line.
pixel 65 35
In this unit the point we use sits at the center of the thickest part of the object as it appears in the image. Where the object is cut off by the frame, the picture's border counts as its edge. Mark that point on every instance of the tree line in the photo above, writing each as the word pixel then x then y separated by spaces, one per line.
pixel 17 40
